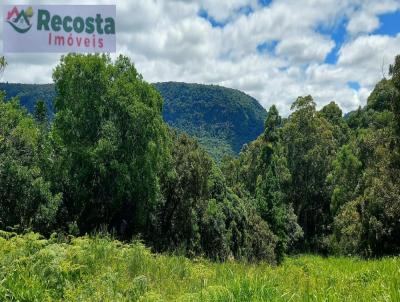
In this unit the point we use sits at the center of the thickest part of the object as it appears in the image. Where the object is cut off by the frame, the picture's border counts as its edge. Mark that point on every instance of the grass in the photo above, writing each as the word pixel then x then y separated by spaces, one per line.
pixel 102 269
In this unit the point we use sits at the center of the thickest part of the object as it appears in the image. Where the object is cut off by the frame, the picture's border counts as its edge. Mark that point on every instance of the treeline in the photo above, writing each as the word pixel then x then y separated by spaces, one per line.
pixel 108 162
pixel 219 118
pixel 339 176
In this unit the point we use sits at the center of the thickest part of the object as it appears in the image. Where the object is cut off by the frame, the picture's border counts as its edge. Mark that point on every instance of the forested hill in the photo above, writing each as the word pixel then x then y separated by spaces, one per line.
pixel 29 94
pixel 222 119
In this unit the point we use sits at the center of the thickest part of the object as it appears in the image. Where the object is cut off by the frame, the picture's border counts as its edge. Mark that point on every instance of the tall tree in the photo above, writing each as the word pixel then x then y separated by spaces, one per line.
pixel 345 177
pixel 274 178
pixel 334 115
pixel 41 112
pixel 310 145
pixel 111 141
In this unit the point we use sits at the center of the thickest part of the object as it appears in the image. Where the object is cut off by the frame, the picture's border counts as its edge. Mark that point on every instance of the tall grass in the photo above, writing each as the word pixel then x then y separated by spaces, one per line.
pixel 102 269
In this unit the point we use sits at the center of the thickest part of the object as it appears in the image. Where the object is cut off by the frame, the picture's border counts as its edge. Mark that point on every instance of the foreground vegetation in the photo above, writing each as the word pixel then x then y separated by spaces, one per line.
pixel 101 269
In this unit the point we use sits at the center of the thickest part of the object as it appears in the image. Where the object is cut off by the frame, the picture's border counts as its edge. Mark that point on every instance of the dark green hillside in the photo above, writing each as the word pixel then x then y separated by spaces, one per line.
pixel 222 119
pixel 29 94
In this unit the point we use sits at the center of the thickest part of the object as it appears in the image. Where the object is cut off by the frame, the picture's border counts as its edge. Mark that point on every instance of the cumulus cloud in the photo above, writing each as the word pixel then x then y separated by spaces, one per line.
pixel 274 53
pixel 364 15
pixel 362 23
pixel 303 49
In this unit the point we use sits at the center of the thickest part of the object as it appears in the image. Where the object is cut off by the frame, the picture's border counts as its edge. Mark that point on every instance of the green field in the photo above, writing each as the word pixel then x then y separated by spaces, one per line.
pixel 101 269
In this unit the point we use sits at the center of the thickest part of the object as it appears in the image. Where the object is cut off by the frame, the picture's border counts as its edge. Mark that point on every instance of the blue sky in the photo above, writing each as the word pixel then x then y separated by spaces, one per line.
pixel 274 50
pixel 389 24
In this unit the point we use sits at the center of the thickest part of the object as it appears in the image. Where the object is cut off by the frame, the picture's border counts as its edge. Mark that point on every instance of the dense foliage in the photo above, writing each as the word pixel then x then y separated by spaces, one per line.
pixel 107 161
pixel 340 175
pixel 221 119
pixel 200 214
pixel 365 176
pixel 101 269
pixel 26 198
pixel 313 182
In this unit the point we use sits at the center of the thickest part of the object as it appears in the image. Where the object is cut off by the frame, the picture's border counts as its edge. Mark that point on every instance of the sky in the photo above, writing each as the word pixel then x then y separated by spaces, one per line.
pixel 273 50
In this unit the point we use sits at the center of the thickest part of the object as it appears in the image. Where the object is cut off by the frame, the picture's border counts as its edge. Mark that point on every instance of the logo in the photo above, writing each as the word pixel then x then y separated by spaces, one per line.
pixel 59 28
pixel 20 20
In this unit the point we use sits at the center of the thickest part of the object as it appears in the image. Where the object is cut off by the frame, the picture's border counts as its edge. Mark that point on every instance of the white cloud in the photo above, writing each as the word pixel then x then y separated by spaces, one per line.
pixel 362 23
pixel 305 49
pixel 364 15
pixel 169 41
pixel 223 11
pixel 366 56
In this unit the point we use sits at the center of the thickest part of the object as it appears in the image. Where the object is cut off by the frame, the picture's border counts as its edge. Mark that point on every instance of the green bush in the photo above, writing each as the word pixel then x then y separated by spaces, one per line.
pixel 102 269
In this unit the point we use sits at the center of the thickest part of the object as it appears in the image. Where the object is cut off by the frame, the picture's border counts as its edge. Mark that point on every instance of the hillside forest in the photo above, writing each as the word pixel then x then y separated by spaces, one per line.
pixel 314 182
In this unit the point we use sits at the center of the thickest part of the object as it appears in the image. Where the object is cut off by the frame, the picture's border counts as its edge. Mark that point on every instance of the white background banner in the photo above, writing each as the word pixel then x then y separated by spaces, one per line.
pixel 59 28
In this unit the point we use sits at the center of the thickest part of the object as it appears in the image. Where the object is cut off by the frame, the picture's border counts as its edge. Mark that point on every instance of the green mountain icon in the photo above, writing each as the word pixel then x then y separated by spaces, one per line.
pixel 25 19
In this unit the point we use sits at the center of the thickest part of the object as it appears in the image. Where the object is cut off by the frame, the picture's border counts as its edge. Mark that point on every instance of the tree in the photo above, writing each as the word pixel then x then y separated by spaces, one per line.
pixel 334 115
pixel 310 145
pixel 345 177
pixel 381 97
pixel 41 112
pixel 3 64
pixel 366 197
pixel 26 198
pixel 271 193
pixel 185 191
pixel 111 142
pixel 200 215
pixel 365 177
